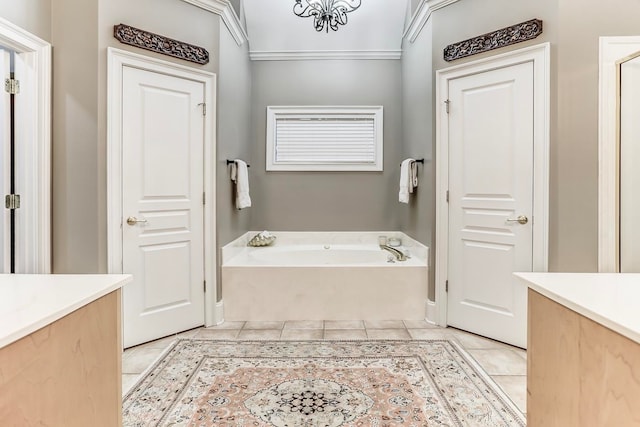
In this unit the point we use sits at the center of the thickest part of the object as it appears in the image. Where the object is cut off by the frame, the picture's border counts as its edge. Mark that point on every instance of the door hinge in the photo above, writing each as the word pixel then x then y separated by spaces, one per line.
pixel 204 286
pixel 446 103
pixel 12 86
pixel 446 286
pixel 12 201
pixel 204 198
pixel 447 196
pixel 204 108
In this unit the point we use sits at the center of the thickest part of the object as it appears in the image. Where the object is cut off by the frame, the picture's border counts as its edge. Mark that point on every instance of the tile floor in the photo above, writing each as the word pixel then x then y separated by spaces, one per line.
pixel 505 364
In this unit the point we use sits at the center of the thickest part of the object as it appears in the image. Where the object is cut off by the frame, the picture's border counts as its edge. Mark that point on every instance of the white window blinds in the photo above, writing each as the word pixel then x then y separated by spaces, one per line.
pixel 324 138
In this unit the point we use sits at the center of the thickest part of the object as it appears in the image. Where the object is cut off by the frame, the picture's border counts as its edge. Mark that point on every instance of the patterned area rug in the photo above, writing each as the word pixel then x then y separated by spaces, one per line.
pixel 317 384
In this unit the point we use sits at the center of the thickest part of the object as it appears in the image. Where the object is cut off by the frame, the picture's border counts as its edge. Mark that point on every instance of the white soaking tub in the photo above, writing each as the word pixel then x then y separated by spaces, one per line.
pixel 324 276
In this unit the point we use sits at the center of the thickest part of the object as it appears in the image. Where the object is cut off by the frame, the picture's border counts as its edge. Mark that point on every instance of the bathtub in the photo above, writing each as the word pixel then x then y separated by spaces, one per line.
pixel 323 276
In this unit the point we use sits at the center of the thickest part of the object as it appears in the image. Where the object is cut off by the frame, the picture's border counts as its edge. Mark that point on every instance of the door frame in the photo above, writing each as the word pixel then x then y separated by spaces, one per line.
pixel 117 59
pixel 34 169
pixel 612 49
pixel 540 56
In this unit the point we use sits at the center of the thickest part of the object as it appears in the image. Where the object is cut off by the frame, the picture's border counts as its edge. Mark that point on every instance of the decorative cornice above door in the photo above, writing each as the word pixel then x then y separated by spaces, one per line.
pixel 518 33
pixel 160 44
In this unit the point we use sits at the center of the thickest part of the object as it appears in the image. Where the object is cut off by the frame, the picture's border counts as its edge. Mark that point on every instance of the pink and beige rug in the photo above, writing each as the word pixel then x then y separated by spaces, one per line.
pixel 317 384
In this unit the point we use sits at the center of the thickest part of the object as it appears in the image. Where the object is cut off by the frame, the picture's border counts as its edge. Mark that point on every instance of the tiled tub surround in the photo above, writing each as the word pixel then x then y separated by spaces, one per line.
pixel 323 276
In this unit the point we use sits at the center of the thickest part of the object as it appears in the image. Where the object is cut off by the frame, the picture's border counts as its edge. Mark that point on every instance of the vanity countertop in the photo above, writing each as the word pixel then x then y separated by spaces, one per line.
pixel 610 299
pixel 29 302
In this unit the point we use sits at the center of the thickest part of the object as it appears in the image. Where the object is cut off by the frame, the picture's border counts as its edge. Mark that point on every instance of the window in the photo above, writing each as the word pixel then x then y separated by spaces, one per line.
pixel 343 138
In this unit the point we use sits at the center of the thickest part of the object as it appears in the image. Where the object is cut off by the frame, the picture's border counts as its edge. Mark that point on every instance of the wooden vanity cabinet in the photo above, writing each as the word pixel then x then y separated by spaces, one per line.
pixel 579 372
pixel 67 373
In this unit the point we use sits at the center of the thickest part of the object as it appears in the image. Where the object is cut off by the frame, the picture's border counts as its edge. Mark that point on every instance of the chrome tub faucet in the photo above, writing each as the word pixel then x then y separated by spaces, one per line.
pixel 400 256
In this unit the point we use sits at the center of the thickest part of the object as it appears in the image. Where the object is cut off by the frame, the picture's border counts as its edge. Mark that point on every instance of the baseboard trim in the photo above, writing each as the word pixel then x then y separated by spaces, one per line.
pixel 218 316
pixel 432 312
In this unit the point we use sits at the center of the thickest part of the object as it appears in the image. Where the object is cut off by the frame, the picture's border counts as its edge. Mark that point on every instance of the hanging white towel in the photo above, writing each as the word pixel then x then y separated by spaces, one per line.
pixel 240 175
pixel 408 179
pixel 413 178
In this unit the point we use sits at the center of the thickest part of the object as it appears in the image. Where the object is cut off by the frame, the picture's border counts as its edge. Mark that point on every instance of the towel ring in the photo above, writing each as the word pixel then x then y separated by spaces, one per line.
pixel 230 162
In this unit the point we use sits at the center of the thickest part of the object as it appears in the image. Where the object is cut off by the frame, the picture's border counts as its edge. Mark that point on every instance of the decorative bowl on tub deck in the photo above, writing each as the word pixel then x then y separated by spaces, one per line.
pixel 262 239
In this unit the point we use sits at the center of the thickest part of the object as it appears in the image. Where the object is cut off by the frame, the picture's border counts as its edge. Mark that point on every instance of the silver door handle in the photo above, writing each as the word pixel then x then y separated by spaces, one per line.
pixel 521 219
pixel 132 220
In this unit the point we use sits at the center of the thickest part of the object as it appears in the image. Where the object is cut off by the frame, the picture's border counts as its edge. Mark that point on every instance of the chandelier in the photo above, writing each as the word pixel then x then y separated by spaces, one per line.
pixel 327 14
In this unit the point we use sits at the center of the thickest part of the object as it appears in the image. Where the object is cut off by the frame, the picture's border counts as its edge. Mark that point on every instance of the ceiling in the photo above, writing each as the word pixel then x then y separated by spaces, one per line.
pixel 375 29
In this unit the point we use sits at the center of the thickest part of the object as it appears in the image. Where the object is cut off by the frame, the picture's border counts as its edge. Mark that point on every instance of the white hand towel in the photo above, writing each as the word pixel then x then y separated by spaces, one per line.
pixel 406 180
pixel 240 175
pixel 413 179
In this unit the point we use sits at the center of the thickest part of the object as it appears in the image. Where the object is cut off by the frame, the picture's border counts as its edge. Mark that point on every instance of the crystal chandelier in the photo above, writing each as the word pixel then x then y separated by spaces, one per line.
pixel 327 14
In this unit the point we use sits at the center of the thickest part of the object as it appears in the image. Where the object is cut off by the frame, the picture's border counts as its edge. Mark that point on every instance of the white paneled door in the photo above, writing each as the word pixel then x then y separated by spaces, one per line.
pixel 491 178
pixel 162 204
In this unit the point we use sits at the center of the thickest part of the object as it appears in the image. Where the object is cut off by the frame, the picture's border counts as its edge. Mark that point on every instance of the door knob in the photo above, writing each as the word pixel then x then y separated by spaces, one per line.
pixel 521 219
pixel 132 220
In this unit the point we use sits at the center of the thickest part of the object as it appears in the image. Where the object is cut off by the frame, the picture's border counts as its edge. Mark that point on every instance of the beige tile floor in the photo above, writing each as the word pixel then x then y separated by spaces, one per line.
pixel 505 364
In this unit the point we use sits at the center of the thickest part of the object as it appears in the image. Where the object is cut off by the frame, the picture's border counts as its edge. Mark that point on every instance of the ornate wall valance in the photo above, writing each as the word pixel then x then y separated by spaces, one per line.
pixel 504 37
pixel 157 43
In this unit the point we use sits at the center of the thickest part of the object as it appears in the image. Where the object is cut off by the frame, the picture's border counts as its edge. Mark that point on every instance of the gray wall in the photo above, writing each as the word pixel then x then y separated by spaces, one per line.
pixel 457 22
pixel 228 60
pixel 31 15
pixel 573 28
pixel 236 6
pixel 418 217
pixel 323 201
pixel 75 193
pixel 574 205
pixel 469 18
pixel 81 32
pixel 234 112
pixel 413 5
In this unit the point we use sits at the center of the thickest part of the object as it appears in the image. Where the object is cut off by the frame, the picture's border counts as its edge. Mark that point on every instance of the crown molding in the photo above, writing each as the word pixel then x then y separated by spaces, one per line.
pixel 224 9
pixel 421 16
pixel 308 55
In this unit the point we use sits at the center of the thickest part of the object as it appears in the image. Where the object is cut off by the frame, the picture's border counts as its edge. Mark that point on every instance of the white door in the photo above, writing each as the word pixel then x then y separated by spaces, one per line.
pixel 162 204
pixel 5 176
pixel 491 137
